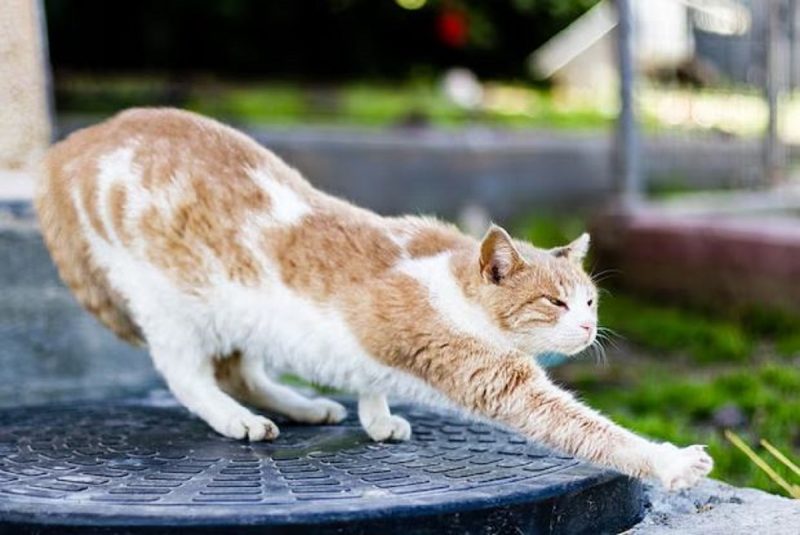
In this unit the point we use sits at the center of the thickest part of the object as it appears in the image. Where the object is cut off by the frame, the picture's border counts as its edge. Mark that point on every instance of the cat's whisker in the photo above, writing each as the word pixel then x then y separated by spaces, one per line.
pixel 595 347
pixel 611 342
pixel 606 274
pixel 600 351
pixel 609 334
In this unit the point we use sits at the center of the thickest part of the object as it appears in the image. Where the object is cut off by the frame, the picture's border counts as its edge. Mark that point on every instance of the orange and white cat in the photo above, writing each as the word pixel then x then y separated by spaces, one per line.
pixel 187 236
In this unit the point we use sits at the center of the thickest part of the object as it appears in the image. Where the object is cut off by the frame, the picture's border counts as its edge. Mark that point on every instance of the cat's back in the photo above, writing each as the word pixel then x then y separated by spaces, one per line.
pixel 161 146
pixel 168 187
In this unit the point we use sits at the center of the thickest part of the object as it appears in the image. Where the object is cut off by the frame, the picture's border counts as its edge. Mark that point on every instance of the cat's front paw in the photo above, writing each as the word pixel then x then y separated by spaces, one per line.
pixel 389 429
pixel 251 427
pixel 679 468
pixel 323 411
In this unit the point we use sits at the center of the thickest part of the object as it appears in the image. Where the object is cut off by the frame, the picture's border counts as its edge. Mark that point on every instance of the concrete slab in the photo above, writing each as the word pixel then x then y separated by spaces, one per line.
pixel 742 260
pixel 714 508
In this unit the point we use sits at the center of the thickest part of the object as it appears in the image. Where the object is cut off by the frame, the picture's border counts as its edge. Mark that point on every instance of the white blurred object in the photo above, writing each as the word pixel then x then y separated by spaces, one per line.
pixel 463 88
pixel 474 220
pixel 722 17
pixel 582 55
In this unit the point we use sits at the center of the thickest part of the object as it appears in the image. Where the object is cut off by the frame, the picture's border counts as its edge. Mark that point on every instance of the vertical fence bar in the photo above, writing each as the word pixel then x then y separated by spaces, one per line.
pixel 627 144
pixel 792 44
pixel 775 74
pixel 46 68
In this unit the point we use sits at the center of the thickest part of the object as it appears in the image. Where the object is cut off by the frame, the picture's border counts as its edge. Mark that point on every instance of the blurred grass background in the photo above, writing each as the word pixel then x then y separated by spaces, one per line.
pixel 416 102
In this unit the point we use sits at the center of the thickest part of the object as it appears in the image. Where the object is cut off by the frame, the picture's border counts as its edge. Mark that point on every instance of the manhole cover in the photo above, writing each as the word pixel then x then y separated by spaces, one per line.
pixel 101 467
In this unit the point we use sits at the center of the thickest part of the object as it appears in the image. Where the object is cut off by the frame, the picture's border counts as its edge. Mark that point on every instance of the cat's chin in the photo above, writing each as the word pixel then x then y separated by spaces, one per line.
pixel 577 351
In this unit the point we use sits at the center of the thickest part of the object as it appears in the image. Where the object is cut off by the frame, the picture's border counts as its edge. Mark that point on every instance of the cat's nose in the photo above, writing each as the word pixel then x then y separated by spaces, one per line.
pixel 588 327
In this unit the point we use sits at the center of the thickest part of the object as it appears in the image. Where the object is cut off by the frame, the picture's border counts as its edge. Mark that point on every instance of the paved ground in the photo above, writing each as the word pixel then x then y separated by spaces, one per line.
pixel 716 508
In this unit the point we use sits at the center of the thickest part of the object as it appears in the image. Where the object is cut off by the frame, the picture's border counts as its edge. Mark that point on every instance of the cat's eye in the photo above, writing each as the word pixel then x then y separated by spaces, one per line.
pixel 590 302
pixel 557 302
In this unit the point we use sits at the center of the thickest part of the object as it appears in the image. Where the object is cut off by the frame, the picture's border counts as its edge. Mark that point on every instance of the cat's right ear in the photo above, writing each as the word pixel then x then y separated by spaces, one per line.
pixel 499 257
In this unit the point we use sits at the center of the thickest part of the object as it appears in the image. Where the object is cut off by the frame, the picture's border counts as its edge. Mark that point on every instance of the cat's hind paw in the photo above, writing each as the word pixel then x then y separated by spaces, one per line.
pixel 684 467
pixel 389 429
pixel 322 411
pixel 251 427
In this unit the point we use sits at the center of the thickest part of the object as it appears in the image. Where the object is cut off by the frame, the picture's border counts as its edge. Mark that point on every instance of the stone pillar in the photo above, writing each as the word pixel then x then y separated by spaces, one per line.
pixel 24 88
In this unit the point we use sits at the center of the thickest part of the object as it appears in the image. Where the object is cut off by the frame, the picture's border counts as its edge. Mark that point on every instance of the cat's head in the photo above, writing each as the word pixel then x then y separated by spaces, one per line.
pixel 542 299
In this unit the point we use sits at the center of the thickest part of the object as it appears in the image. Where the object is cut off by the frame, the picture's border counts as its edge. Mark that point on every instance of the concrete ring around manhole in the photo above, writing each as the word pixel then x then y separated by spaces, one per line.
pixel 138 467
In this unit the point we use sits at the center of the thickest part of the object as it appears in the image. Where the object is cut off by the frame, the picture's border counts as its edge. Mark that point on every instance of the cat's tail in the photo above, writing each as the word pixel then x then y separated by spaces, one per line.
pixel 70 250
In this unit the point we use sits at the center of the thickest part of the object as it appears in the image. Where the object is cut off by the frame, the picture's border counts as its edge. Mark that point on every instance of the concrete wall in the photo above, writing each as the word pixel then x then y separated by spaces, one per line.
pixel 509 173
pixel 50 348
pixel 712 259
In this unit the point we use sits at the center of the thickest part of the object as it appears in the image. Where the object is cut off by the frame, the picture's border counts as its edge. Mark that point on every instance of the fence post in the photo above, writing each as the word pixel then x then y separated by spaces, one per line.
pixel 775 73
pixel 627 144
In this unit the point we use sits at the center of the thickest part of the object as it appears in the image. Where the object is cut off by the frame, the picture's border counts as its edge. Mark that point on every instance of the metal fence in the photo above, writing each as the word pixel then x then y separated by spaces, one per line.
pixel 715 91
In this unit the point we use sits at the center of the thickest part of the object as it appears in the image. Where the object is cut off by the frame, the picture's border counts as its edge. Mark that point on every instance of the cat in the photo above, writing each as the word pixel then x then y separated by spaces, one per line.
pixel 185 235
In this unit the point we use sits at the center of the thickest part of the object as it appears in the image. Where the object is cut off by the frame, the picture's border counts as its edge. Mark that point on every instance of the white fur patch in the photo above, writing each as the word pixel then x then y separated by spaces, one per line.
pixel 447 298
pixel 116 166
pixel 310 339
pixel 286 206
pixel 401 237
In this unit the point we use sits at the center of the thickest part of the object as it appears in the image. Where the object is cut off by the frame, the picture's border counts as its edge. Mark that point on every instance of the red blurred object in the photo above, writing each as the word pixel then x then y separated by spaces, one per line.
pixel 453 27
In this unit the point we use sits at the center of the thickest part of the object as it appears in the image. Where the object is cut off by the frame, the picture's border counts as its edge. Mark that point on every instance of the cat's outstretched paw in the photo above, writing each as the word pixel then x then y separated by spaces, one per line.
pixel 389 429
pixel 680 468
pixel 251 427
pixel 323 411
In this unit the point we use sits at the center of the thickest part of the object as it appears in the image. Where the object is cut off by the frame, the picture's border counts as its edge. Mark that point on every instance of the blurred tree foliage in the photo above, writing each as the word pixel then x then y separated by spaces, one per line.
pixel 308 40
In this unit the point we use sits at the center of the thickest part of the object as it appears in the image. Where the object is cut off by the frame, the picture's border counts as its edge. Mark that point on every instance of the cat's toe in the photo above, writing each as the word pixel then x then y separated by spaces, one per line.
pixel 685 467
pixel 324 411
pixel 252 427
pixel 391 429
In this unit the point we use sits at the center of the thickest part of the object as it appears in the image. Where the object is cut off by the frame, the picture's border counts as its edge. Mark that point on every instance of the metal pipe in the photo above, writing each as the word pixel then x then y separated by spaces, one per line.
pixel 627 143
pixel 775 72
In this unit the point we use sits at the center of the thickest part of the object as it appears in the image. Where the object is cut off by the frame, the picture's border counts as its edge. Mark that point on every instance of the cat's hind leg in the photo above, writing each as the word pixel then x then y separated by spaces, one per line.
pixel 379 423
pixel 246 379
pixel 190 376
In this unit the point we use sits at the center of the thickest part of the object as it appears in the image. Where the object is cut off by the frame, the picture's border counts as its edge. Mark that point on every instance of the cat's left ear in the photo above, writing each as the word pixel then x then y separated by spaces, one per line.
pixel 499 256
pixel 575 251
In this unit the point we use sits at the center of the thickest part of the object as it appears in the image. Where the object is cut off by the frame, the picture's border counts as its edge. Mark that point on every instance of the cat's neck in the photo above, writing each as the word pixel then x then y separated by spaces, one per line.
pixel 465 268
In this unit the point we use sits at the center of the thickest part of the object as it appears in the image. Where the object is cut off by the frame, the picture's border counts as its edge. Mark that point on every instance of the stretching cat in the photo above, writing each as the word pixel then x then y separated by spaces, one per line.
pixel 181 233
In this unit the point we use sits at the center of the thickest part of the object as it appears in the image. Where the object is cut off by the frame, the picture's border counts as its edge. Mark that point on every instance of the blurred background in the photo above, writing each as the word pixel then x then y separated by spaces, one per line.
pixel 668 128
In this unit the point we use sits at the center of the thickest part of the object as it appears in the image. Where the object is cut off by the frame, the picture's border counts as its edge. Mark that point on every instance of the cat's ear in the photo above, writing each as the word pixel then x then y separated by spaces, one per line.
pixel 575 251
pixel 499 256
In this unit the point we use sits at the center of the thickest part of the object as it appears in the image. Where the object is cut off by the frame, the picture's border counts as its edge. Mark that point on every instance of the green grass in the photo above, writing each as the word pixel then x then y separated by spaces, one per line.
pixel 547 231
pixel 367 103
pixel 708 336
pixel 671 328
pixel 279 105
pixel 657 400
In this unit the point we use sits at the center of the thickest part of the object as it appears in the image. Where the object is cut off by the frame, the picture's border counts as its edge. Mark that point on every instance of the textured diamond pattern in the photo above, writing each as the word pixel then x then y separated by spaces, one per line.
pixel 149 458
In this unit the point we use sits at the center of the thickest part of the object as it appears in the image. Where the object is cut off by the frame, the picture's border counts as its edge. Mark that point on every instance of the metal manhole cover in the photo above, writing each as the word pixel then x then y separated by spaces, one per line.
pixel 100 466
